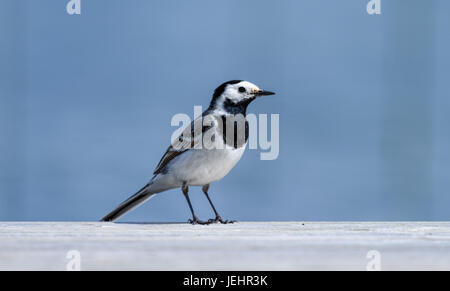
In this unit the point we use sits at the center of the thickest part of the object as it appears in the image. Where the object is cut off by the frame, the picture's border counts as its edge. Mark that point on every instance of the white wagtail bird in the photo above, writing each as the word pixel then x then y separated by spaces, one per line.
pixel 203 153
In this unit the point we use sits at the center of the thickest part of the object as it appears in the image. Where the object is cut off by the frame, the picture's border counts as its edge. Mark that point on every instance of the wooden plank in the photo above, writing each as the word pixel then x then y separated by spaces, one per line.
pixel 240 246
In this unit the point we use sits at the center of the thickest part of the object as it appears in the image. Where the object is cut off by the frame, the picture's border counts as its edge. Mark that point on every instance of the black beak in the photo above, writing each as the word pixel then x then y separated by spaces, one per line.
pixel 263 93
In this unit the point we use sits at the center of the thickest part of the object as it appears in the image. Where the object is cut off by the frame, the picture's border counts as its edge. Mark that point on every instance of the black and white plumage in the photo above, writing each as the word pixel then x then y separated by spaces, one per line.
pixel 203 153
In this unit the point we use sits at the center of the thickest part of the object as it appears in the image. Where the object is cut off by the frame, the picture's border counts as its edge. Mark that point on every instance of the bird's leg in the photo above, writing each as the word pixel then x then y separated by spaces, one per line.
pixel 195 219
pixel 218 218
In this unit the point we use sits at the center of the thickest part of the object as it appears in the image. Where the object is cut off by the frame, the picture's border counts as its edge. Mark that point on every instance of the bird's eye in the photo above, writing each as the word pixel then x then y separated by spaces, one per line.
pixel 241 89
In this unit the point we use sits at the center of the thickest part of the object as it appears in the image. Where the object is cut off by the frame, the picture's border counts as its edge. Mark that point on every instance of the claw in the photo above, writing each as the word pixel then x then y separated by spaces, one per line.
pixel 219 219
pixel 196 220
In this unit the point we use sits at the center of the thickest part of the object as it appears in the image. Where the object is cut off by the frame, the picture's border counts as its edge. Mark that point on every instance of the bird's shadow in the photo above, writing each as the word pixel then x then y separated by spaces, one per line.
pixel 157 223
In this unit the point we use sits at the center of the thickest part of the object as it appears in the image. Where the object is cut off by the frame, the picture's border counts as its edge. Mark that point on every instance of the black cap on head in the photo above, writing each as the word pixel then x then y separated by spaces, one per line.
pixel 219 90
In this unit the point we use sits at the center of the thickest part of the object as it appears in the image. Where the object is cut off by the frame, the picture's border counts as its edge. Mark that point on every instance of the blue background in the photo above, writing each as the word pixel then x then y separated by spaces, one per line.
pixel 86 103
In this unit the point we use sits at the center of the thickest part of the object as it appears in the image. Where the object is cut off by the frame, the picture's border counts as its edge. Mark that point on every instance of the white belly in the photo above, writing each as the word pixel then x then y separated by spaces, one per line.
pixel 201 167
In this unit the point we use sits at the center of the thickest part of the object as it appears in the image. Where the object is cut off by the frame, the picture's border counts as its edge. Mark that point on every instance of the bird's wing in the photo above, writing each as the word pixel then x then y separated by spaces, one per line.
pixel 190 138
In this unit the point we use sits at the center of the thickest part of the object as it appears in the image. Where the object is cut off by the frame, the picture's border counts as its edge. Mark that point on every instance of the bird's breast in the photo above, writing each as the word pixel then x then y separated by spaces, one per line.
pixel 201 166
pixel 234 130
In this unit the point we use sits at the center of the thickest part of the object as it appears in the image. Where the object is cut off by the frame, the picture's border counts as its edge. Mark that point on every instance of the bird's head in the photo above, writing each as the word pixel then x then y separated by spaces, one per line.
pixel 234 96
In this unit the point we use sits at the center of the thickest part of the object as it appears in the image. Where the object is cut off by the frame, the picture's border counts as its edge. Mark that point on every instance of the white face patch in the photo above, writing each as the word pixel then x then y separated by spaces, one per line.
pixel 238 92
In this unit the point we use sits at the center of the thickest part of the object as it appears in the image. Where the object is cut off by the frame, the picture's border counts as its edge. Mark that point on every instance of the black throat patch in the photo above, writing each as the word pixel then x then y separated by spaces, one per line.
pixel 234 131
pixel 237 108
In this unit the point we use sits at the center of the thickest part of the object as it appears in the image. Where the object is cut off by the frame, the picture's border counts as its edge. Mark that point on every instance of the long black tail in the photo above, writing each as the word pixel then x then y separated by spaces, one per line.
pixel 131 203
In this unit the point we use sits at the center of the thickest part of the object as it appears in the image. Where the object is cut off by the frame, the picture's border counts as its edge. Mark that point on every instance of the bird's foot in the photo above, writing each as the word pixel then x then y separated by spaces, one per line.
pixel 219 219
pixel 196 220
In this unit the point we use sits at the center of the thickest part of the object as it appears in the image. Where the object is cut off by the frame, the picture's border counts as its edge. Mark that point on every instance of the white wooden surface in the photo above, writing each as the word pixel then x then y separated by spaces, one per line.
pixel 241 246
